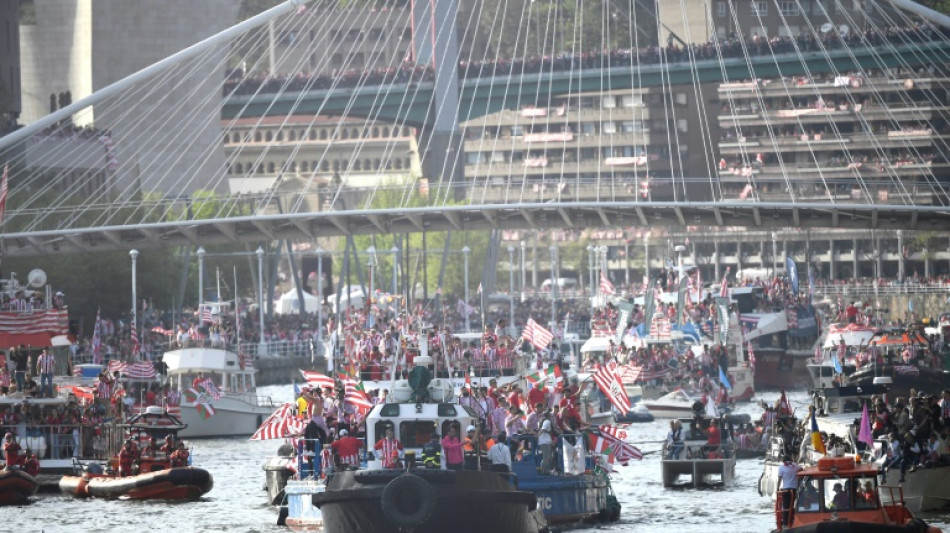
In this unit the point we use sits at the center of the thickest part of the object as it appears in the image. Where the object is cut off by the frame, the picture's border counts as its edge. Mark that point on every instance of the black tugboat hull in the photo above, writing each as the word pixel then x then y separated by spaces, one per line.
pixel 921 379
pixel 460 502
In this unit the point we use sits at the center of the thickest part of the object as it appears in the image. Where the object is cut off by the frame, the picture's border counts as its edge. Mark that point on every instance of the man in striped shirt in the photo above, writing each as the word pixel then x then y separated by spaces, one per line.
pixel 45 367
pixel 389 448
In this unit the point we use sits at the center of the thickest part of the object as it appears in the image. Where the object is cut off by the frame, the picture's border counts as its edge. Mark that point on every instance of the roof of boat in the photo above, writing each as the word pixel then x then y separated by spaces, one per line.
pixel 201 359
pixel 861 469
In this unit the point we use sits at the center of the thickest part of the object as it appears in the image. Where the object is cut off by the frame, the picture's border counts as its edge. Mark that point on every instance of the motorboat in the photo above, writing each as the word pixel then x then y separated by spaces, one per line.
pixel 704 464
pixel 233 409
pixel 839 494
pixel 855 337
pixel 675 404
pixel 16 486
pixel 638 414
pixel 158 477
pixel 918 373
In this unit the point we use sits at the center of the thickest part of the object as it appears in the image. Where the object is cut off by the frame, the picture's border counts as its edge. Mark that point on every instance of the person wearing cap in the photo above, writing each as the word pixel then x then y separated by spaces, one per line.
pixel 346 451
pixel 389 448
pixel 11 451
pixel 432 452
pixel 454 457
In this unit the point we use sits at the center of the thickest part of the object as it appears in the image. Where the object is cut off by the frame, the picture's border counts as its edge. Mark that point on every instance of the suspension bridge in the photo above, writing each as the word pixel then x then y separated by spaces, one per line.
pixel 809 128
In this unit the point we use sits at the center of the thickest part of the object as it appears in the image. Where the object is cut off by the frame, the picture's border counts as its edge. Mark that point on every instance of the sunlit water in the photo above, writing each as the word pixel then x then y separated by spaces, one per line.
pixel 238 502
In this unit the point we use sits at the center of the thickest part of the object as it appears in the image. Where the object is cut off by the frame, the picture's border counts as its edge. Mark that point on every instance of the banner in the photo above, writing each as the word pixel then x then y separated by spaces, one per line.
pixel 722 315
pixel 792 273
pixel 649 301
pixel 624 311
pixel 613 389
pixel 535 333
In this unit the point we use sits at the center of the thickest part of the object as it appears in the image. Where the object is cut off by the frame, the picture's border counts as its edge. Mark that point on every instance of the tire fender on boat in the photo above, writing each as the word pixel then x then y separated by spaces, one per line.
pixel 408 501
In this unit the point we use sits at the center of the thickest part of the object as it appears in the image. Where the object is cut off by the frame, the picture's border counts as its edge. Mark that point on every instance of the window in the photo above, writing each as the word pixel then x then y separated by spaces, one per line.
pixel 588 128
pixel 609 127
pixel 720 9
pixel 609 102
pixel 789 9
pixel 682 125
pixel 760 8
pixel 837 494
pixel 808 498
pixel 517 131
pixel 631 126
pixel 632 100
pixel 681 98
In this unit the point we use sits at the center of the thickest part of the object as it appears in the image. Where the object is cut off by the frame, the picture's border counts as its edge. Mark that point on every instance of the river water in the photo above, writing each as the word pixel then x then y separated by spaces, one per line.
pixel 238 502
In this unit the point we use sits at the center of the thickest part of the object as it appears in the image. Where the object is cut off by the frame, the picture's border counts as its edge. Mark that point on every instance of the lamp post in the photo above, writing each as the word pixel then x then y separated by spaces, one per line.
pixel 553 250
pixel 371 251
pixel 511 288
pixel 320 299
pixel 262 347
pixel 201 279
pixel 603 260
pixel 522 271
pixel 590 269
pixel 134 254
pixel 395 252
pixel 465 251
pixel 626 263
pixel 774 255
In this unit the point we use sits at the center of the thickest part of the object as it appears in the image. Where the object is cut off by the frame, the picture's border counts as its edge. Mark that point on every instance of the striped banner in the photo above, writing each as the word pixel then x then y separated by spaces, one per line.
pixel 141 370
pixel 611 386
pixel 282 424
pixel 535 333
pixel 52 321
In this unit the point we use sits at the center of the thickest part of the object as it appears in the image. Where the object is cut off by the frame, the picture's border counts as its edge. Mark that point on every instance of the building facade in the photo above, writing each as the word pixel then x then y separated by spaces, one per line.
pixel 10 95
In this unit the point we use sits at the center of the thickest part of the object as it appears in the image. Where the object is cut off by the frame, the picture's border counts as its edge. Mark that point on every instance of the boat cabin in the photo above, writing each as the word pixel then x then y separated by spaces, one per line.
pixel 414 424
pixel 844 400
pixel 222 366
pixel 837 488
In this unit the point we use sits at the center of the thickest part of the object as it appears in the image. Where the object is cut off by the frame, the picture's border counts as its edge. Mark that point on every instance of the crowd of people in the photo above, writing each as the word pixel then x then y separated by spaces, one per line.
pixel 734 46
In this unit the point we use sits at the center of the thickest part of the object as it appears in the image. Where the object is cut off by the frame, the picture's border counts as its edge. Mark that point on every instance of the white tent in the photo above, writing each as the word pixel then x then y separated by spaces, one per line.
pixel 289 304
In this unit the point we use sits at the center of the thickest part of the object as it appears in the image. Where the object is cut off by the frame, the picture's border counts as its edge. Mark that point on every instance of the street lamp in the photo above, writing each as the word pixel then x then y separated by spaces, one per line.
pixel 553 250
pixel 262 347
pixel 522 271
pixel 371 251
pixel 590 269
pixel 511 288
pixel 395 252
pixel 134 254
pixel 319 298
pixel 201 278
pixel 465 251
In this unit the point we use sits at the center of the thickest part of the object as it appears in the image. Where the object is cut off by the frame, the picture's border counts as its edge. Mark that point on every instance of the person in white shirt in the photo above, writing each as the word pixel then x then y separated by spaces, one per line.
pixel 789 473
pixel 545 444
pixel 500 454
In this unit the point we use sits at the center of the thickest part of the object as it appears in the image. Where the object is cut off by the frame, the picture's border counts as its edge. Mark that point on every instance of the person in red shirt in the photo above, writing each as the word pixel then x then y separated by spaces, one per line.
pixel 126 459
pixel 30 465
pixel 389 448
pixel 346 450
pixel 179 457
pixel 11 450
pixel 537 395
pixel 713 436
pixel 515 398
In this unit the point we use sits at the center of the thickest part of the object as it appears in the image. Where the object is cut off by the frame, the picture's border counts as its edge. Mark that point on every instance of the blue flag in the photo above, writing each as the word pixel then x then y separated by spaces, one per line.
pixel 792 273
pixel 724 379
pixel 296 389
pixel 836 363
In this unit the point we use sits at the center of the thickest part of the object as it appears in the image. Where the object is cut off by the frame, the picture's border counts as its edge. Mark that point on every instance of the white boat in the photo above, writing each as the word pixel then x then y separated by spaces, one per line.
pixel 302 514
pixel 854 336
pixel 238 412
pixel 676 404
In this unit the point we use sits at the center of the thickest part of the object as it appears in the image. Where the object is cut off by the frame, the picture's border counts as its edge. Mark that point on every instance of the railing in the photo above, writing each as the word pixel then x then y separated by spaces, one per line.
pixel 883 290
pixel 62 441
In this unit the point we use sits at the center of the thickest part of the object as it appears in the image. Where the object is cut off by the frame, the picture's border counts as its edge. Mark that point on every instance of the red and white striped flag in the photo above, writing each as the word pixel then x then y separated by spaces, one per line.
pixel 611 386
pixel 535 333
pixel 724 289
pixel 606 287
pixel 97 340
pixel 623 453
pixel 317 379
pixel 280 425
pixel 206 315
pixel 135 338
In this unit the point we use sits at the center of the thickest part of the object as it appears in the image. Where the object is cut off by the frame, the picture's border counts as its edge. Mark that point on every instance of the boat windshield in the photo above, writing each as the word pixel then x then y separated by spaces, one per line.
pixel 846 494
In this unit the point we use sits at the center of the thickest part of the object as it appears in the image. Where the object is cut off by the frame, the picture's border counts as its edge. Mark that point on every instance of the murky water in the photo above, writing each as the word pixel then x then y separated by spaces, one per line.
pixel 237 503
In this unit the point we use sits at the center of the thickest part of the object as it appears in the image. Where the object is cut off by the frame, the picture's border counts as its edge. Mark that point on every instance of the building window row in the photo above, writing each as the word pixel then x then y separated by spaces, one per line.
pixel 337 165
pixel 319 134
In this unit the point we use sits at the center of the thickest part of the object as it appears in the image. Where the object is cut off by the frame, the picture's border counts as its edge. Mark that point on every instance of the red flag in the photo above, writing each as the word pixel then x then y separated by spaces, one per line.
pixel 724 289
pixel 606 287
pixel 611 386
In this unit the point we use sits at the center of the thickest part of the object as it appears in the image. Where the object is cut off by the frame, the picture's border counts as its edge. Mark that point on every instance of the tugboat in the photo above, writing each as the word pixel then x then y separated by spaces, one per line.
pixel 161 475
pixel 423 500
pixel 842 495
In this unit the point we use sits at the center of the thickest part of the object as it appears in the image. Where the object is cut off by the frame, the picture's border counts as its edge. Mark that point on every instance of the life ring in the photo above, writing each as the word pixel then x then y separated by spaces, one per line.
pixel 408 501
